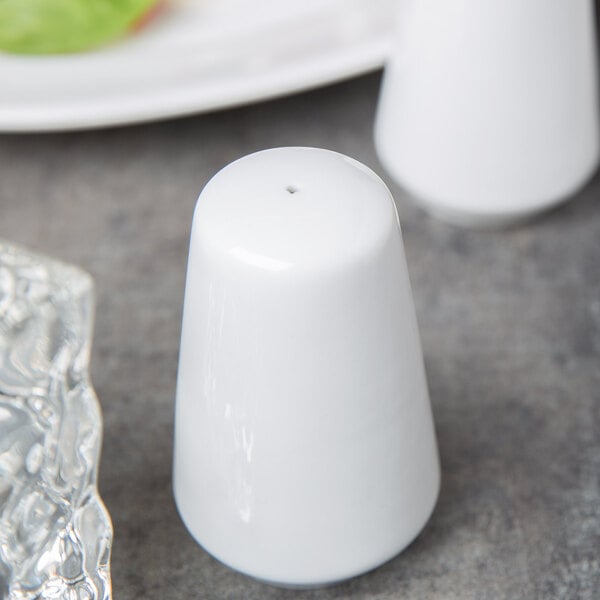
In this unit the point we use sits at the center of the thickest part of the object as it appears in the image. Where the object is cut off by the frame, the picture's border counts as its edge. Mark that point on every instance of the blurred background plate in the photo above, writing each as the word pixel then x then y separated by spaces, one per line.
pixel 197 55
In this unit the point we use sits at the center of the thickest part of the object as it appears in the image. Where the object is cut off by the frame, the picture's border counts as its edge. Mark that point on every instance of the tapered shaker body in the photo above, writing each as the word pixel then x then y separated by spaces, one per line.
pixel 304 445
pixel 489 108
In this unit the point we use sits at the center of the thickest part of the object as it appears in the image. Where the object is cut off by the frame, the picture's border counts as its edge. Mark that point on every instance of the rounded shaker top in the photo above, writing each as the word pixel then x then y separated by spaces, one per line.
pixel 295 208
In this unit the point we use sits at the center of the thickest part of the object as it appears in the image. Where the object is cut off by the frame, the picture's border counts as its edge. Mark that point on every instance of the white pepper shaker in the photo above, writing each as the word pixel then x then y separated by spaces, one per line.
pixel 304 442
pixel 489 108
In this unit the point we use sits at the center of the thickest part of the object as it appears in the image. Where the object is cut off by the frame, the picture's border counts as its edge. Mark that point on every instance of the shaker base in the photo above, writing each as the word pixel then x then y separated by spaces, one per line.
pixel 470 219
pixel 320 583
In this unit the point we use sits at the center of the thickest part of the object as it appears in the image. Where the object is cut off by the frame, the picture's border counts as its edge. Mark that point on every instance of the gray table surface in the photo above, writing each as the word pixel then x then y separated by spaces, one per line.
pixel 510 322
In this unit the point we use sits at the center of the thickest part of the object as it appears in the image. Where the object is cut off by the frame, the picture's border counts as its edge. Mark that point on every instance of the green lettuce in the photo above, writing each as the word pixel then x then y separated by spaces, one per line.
pixel 56 26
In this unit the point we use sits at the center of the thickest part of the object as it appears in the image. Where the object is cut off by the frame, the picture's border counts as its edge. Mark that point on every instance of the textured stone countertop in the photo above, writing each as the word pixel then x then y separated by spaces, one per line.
pixel 510 322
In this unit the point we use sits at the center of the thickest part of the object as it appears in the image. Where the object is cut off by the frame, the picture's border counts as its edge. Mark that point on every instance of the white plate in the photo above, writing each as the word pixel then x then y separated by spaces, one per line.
pixel 198 55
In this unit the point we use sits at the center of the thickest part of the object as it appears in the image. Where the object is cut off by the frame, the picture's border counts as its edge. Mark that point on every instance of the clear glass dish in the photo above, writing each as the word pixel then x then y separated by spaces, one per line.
pixel 55 533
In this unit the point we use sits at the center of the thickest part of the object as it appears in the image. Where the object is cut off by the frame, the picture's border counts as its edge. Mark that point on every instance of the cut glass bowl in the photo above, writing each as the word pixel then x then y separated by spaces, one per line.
pixel 55 533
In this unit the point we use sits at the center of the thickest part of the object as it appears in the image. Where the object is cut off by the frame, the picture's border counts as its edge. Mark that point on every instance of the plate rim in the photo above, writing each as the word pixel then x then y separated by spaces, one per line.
pixel 334 64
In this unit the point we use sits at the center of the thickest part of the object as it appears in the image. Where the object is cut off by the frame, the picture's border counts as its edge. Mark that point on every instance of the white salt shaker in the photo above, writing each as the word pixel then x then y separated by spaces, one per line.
pixel 304 443
pixel 488 111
